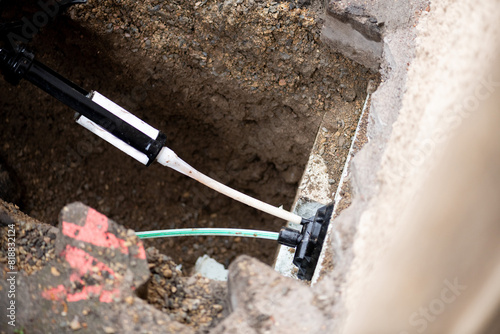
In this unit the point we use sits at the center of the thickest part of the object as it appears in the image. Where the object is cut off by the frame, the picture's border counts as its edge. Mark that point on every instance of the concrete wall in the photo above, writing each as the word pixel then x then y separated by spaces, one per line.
pixel 422 103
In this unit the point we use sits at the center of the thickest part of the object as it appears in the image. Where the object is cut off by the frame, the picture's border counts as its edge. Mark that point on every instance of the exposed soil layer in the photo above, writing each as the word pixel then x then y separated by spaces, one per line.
pixel 195 301
pixel 239 87
pixel 35 242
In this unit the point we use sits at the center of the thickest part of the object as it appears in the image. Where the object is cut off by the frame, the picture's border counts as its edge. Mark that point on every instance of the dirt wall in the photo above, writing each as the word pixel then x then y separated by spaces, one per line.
pixel 239 88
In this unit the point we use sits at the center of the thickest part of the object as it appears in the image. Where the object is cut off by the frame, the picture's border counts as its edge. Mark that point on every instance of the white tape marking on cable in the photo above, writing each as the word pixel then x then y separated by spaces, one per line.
pixel 124 115
pixel 124 147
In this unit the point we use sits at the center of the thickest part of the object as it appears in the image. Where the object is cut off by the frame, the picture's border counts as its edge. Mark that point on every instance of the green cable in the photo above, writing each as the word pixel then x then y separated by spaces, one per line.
pixel 228 232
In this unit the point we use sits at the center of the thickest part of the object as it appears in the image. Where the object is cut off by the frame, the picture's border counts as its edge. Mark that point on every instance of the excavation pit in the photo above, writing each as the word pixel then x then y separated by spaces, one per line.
pixel 240 89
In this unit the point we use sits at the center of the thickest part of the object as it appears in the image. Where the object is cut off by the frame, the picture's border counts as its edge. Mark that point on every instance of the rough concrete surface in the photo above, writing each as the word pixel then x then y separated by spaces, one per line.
pixel 456 42
pixel 356 28
pixel 399 43
pixel 263 301
pixel 439 268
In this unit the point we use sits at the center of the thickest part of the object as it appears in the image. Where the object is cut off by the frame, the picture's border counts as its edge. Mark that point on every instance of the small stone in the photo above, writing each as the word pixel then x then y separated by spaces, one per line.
pixel 75 324
pixel 167 273
pixel 109 330
pixel 372 87
pixel 54 271
pixel 282 82
pixel 349 95
pixel 129 300
pixel 331 181
pixel 154 9
pixel 285 56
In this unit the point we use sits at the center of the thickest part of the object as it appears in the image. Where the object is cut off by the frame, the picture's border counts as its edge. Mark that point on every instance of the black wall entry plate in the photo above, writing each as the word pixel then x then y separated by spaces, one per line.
pixel 308 242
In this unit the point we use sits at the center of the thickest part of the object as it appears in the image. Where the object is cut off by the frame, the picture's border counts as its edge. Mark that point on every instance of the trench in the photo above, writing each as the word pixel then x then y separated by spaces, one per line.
pixel 240 89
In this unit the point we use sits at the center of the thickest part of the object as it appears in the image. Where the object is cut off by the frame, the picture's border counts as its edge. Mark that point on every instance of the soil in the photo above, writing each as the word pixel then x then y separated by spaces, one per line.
pixel 346 192
pixel 35 242
pixel 195 301
pixel 239 87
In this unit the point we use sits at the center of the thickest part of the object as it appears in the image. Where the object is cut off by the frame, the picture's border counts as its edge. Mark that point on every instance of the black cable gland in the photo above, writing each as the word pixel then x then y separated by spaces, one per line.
pixel 15 64
pixel 289 237
pixel 308 242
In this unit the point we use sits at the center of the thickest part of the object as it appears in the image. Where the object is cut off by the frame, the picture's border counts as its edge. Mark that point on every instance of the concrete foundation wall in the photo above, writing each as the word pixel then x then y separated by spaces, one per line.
pixel 434 77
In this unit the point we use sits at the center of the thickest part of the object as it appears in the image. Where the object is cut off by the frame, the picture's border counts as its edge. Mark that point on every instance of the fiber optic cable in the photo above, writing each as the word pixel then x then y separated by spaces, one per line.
pixel 227 232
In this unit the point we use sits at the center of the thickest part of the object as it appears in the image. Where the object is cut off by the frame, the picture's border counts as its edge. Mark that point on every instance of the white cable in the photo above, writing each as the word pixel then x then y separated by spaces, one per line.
pixel 168 158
